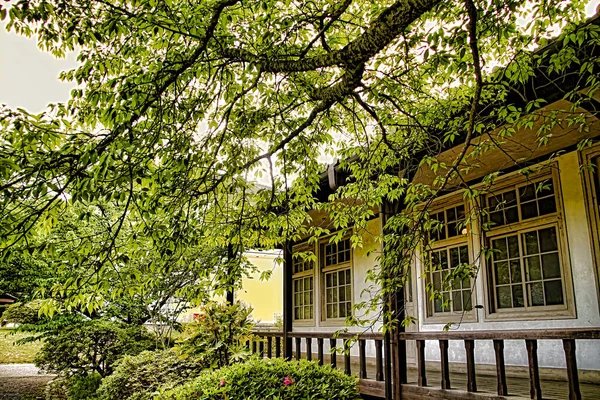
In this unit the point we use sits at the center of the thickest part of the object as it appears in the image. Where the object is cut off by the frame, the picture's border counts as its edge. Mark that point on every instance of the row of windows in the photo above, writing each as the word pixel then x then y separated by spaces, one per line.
pixel 526 269
pixel 336 277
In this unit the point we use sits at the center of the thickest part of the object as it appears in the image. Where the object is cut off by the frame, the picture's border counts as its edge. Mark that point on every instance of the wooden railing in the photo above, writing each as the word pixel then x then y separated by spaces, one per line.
pixel 530 337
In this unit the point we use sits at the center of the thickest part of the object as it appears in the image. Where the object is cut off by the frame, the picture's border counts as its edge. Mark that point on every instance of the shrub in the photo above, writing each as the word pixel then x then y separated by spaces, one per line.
pixel 268 379
pixel 76 387
pixel 218 334
pixel 138 376
pixel 91 346
pixel 23 313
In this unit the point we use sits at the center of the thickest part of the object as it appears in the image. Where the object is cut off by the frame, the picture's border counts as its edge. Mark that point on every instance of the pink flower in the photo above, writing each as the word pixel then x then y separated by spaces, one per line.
pixel 287 381
pixel 222 383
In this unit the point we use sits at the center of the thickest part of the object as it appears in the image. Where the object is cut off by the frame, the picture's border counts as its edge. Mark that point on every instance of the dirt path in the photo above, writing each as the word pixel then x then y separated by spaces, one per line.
pixel 21 382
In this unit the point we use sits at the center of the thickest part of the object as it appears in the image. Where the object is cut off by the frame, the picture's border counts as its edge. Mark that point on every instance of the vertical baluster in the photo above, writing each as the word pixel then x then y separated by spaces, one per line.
pixel 379 360
pixel 333 360
pixel 320 350
pixel 269 347
pixel 298 348
pixel 253 346
pixel 362 355
pixel 471 375
pixel 500 367
pixel 261 348
pixel 535 389
pixel 277 346
pixel 444 364
pixel 571 359
pixel 347 367
pixel 309 349
pixel 421 368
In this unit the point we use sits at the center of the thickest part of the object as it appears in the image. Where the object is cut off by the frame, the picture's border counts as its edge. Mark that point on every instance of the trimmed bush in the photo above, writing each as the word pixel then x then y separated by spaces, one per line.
pixel 136 377
pixel 268 379
pixel 76 387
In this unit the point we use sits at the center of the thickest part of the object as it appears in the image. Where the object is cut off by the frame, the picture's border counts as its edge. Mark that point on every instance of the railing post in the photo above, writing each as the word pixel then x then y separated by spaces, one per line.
pixel 421 368
pixel 362 355
pixel 500 367
pixel 445 367
pixel 269 347
pixel 287 300
pixel 379 360
pixel 347 366
pixel 320 350
pixel 309 349
pixel 471 376
pixel 333 359
pixel 571 359
pixel 535 389
pixel 298 348
pixel 277 346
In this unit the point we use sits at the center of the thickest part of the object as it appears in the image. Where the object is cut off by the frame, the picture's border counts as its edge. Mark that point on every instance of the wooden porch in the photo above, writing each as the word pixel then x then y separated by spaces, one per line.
pixel 379 376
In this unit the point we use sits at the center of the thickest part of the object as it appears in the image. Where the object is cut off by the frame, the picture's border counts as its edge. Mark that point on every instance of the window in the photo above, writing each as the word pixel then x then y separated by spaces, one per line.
pixel 337 276
pixel 448 286
pixel 454 294
pixel 591 165
pixel 526 265
pixel 303 284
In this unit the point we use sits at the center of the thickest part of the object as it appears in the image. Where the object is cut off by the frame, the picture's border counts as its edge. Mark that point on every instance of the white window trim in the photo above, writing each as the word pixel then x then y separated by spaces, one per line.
pixel 431 317
pixel 592 200
pixel 324 321
pixel 516 181
pixel 299 248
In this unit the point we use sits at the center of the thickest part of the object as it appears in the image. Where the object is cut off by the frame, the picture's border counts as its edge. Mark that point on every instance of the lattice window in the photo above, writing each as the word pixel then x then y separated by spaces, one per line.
pixel 337 279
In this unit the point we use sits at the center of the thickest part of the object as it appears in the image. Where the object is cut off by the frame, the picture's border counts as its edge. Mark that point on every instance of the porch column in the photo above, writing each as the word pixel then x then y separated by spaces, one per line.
pixel 287 300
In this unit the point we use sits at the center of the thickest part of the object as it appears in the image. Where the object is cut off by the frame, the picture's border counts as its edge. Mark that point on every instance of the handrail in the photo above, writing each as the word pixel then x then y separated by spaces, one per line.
pixel 528 334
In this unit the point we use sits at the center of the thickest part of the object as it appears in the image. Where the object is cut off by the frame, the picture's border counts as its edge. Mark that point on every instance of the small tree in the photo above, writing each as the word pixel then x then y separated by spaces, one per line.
pixel 92 346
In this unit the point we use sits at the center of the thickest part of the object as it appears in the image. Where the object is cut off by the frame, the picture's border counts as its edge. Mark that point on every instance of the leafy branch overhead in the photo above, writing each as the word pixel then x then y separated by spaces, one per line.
pixel 208 123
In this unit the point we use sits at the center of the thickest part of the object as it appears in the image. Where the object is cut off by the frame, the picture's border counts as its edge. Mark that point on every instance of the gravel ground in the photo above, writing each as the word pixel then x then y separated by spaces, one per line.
pixel 22 382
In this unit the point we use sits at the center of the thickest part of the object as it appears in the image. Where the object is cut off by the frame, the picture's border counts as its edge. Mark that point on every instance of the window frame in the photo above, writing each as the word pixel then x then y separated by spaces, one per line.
pixel 556 219
pixel 591 185
pixel 323 270
pixel 432 317
pixel 300 248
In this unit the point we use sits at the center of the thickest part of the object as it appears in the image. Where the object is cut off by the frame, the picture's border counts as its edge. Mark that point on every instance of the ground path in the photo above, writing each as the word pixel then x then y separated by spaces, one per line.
pixel 21 382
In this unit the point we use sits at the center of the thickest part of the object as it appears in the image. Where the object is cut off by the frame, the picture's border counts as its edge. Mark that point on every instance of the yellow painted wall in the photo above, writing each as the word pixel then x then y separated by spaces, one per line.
pixel 265 297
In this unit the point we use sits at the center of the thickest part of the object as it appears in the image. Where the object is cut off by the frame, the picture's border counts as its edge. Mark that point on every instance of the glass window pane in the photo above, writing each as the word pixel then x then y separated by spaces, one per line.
pixel 454 257
pixel 348 293
pixel 348 308
pixel 501 252
pixel 451 214
pixel 437 305
pixel 531 242
pixel 515 271
pixel 497 217
pixel 502 276
pixel 513 246
pixel 444 259
pixel 517 291
pixel 529 210
pixel 437 281
pixel 329 311
pixel 342 294
pixel 551 265
pixel 348 277
pixel 534 271
pixel 492 202
pixel 464 254
pixel 504 297
pixel 512 215
pixel 467 300
pixel 509 198
pixel 446 301
pixel 527 193
pixel 536 291
pixel 554 294
pixel 547 205
pixel 334 281
pixel 548 240
pixel 457 301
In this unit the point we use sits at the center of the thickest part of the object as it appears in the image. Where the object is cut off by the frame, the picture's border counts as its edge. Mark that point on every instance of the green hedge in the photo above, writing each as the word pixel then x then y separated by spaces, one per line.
pixel 136 377
pixel 273 379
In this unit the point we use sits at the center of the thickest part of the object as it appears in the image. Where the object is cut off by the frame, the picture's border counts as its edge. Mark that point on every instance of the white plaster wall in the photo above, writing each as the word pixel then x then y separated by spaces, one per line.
pixel 550 352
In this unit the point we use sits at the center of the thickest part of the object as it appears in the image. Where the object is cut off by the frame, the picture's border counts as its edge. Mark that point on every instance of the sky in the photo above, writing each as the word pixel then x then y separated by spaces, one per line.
pixel 29 76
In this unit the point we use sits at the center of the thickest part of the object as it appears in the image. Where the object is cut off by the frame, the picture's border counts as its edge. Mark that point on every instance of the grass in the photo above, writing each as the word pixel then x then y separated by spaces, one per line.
pixel 10 353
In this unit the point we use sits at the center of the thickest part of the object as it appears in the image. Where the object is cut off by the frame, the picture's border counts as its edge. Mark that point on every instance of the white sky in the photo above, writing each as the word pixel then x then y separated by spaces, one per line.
pixel 29 76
